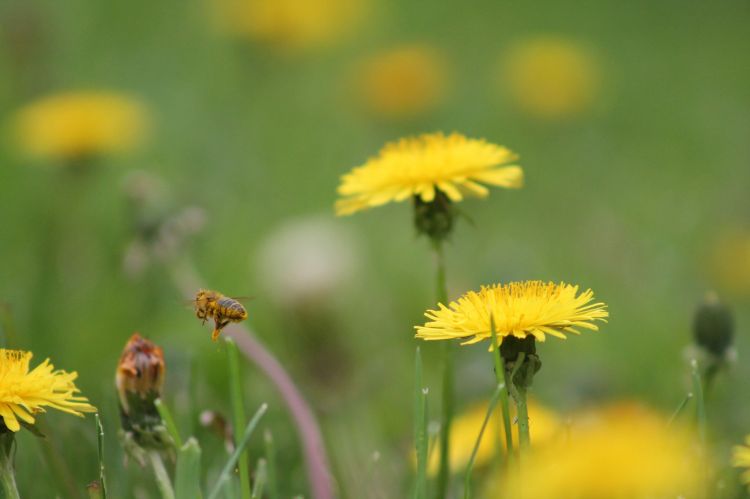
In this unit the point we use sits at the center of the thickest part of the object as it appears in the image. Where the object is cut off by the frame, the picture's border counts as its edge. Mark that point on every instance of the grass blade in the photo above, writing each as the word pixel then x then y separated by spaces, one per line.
pixel 470 465
pixel 99 448
pixel 166 416
pixel 188 472
pixel 504 398
pixel 420 428
pixel 700 408
pixel 260 479
pixel 273 489
pixel 238 414
pixel 226 471
pixel 679 409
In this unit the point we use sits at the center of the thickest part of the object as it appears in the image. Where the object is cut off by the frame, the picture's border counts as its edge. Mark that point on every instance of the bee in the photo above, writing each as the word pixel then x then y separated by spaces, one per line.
pixel 222 309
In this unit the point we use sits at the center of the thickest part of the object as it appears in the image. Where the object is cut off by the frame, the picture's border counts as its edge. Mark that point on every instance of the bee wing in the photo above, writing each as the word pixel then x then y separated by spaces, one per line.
pixel 243 298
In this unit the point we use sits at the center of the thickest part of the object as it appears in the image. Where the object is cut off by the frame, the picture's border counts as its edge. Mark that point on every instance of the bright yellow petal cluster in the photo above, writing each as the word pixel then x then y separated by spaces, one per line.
pixel 77 124
pixel 403 82
pixel 632 454
pixel 24 393
pixel 520 309
pixel 453 164
pixel 544 424
pixel 741 459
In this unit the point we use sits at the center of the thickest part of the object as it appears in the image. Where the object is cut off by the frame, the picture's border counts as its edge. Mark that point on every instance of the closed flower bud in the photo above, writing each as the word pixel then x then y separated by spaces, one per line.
pixel 713 326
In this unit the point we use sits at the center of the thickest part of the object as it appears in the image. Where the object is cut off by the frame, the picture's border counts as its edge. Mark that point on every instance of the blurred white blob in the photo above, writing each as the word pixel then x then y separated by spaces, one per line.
pixel 307 259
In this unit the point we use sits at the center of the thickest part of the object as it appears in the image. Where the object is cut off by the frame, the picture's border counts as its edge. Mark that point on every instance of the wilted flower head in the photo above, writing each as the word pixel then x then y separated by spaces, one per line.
pixel 77 125
pixel 425 168
pixel 140 372
pixel 402 82
pixel 620 452
pixel 25 392
pixel 520 310
pixel 551 77
pixel 545 426
pixel 290 24
pixel 713 326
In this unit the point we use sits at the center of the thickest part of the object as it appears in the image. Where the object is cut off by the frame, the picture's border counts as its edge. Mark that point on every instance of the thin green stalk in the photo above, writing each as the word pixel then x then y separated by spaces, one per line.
pixel 166 417
pixel 7 471
pixel 100 450
pixel 187 476
pixel 493 402
pixel 700 408
pixel 519 397
pixel 161 475
pixel 504 403
pixel 448 381
pixel 420 428
pixel 229 466
pixel 260 479
pixel 273 488
pixel 238 414
pixel 679 409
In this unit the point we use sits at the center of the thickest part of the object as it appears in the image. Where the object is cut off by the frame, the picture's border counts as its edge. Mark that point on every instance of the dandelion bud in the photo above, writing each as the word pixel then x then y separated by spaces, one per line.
pixel 434 218
pixel 139 380
pixel 510 350
pixel 713 326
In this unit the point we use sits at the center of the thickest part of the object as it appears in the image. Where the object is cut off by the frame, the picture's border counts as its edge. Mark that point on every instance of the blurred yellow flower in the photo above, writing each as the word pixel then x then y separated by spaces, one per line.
pixel 544 423
pixel 620 453
pixel 551 78
pixel 80 124
pixel 518 309
pixel 403 82
pixel 420 166
pixel 290 24
pixel 730 262
pixel 24 392
pixel 741 459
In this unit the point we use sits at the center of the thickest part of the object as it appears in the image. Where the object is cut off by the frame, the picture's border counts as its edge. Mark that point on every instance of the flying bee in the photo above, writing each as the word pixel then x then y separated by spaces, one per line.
pixel 222 309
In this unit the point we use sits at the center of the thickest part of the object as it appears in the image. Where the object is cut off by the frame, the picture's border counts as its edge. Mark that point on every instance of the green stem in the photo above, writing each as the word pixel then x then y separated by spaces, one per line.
pixel 700 408
pixel 448 381
pixel 493 402
pixel 100 450
pixel 7 471
pixel 504 402
pixel 238 415
pixel 162 477
pixel 166 417
pixel 519 397
pixel 420 429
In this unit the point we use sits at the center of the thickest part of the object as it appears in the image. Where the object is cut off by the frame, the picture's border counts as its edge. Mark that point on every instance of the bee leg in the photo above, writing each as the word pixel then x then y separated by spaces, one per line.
pixel 219 325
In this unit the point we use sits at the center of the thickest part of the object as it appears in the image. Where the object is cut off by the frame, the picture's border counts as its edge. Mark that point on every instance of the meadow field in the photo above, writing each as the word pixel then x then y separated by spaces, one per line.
pixel 150 149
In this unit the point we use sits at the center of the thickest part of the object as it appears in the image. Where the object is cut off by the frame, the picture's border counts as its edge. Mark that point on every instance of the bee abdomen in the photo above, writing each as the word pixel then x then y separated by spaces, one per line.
pixel 232 309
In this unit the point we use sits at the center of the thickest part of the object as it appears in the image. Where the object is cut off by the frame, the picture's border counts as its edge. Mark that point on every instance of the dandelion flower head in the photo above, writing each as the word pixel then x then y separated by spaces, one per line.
pixel 517 309
pixel 741 459
pixel 419 166
pixel 79 124
pixel 25 392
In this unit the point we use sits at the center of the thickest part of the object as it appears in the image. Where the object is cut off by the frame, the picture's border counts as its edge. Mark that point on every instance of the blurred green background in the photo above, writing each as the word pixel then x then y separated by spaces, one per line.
pixel 630 195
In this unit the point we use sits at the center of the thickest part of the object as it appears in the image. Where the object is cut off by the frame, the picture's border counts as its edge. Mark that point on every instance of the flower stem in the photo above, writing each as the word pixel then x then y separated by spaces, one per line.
pixel 162 477
pixel 504 403
pixel 7 473
pixel 519 397
pixel 448 380
pixel 100 449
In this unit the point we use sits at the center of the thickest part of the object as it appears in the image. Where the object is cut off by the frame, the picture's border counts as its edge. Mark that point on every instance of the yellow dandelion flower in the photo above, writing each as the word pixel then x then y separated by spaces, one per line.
pixel 741 459
pixel 422 166
pixel 290 24
pixel 403 82
pixel 518 309
pixel 465 429
pixel 638 457
pixel 551 77
pixel 24 393
pixel 79 124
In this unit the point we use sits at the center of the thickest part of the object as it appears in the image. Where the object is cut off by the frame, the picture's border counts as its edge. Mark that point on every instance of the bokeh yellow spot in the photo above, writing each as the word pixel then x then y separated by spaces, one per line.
pixel 403 82
pixel 730 262
pixel 80 124
pixel 292 25
pixel 551 78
